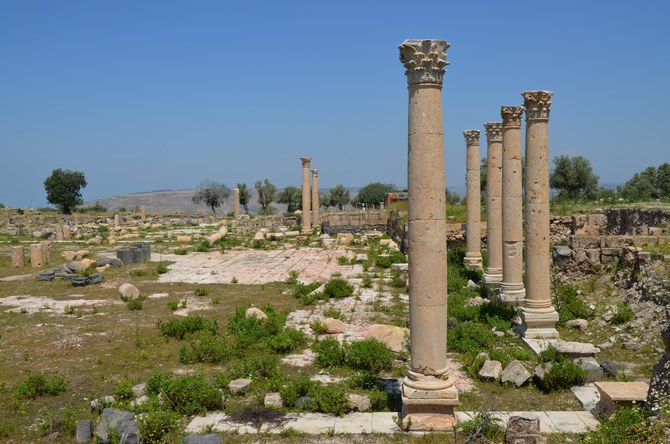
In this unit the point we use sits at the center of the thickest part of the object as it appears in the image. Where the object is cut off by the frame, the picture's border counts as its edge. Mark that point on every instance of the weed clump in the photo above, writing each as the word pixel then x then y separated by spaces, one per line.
pixel 205 347
pixel 624 313
pixel 178 328
pixel 470 336
pixel 287 341
pixel 338 289
pixel 563 373
pixel 187 395
pixel 368 355
pixel 569 306
pixel 37 385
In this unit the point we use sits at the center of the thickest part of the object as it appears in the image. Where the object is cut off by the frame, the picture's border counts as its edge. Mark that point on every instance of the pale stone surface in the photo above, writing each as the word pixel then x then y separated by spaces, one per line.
pixel 128 291
pixel 315 198
pixel 359 403
pixel 18 256
pixel 581 324
pixel 428 391
pixel 394 337
pixel 473 238
pixel 334 326
pixel 538 315
pixel 184 239
pixel 515 373
pixel 491 370
pixel 587 395
pixel 493 275
pixel 614 394
pixel 273 399
pixel 257 312
pixel 214 237
pixel 239 385
pixel 594 372
pixel 236 203
pixel 512 288
pixel 36 256
pixel 306 196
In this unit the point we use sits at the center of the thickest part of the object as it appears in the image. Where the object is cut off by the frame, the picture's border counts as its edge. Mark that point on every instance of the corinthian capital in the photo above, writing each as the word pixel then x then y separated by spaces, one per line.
pixel 471 137
pixel 511 116
pixel 493 131
pixel 424 60
pixel 537 104
pixel 315 173
pixel 305 161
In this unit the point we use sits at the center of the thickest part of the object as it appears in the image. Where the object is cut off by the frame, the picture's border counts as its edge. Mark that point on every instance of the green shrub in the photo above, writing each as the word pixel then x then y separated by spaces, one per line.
pixel 179 327
pixel 379 399
pixel 156 425
pixel 292 278
pixel 6 429
pixel 250 330
pixel 569 305
pixel 181 252
pixel 200 291
pixel 188 395
pixel 457 309
pixel 123 390
pixel 37 385
pixel 173 305
pixel 329 353
pixel 287 341
pixel 627 425
pixel 318 327
pixel 342 260
pixel 366 282
pixel 330 399
pixel 157 381
pixel 161 268
pixel 334 313
pixel 202 247
pixel 369 355
pixel 338 289
pixel 563 375
pixel 624 313
pixel 484 424
pixel 397 281
pixel 205 347
pixel 134 304
pixel 470 336
pixel 265 366
pixel 68 421
pixel 300 386
pixel 383 261
pixel 302 291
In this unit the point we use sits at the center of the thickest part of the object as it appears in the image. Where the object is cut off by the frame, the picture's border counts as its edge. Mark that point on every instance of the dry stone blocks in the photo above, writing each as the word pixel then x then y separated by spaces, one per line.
pixel 18 256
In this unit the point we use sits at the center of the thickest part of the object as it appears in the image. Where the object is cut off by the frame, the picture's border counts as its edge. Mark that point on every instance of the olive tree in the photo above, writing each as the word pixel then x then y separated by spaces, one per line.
pixel 212 194
pixel 63 189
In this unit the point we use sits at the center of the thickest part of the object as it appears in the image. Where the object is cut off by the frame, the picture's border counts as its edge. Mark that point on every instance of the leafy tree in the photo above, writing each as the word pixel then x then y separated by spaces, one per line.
pixel 482 176
pixel 2 205
pixel 245 196
pixel 63 189
pixel 325 200
pixel 652 183
pixel 374 193
pixel 292 197
pixel 451 197
pixel 267 193
pixel 211 194
pixel 339 197
pixel 573 178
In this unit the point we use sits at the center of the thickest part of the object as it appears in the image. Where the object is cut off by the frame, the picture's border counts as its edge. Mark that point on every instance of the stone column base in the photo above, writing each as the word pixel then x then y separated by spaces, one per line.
pixel 306 231
pixel 493 277
pixel 429 410
pixel 538 323
pixel 473 261
pixel 512 294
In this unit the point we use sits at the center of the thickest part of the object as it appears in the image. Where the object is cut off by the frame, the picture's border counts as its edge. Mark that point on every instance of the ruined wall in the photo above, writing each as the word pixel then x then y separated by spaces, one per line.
pixel 355 222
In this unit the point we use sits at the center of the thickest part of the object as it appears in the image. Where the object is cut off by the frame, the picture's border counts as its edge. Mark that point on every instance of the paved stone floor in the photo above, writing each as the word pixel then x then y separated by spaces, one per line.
pixel 256 266
pixel 573 422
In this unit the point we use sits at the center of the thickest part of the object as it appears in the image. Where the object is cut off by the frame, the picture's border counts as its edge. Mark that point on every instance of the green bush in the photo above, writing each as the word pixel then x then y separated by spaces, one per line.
pixel 157 381
pixel 134 304
pixel 334 313
pixel 470 336
pixel 302 291
pixel 318 327
pixel 569 305
pixel 366 282
pixel 563 373
pixel 181 252
pixel 156 425
pixel 628 425
pixel 342 260
pixel 200 291
pixel 205 347
pixel 250 330
pixel 624 313
pixel 179 327
pixel 329 399
pixel 188 395
pixel 6 429
pixel 397 281
pixel 287 341
pixel 37 385
pixel 476 364
pixel 338 289
pixel 457 309
pixel 329 353
pixel 369 355
pixel 292 278
pixel 300 386
pixel 173 305
pixel 123 390
pixel 486 425
pixel 379 399
pixel 257 367
pixel 161 268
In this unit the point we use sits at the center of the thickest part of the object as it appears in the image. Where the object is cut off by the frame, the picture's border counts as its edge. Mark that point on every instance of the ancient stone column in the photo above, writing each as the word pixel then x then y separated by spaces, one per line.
pixel 117 221
pixel 494 266
pixel 143 213
pixel 306 197
pixel 36 256
pixel 236 203
pixel 18 256
pixel 512 290
pixel 538 315
pixel 46 251
pixel 315 198
pixel 473 234
pixel 428 391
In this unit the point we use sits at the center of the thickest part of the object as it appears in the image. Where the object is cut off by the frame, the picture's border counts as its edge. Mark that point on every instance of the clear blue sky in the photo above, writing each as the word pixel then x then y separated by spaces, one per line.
pixel 146 95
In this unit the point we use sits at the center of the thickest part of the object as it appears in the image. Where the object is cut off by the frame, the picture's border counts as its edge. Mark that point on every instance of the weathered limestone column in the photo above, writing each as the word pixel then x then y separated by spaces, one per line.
pixel 473 234
pixel 315 198
pixel 117 221
pixel 538 315
pixel 428 391
pixel 512 290
pixel 306 197
pixel 36 256
pixel 494 267
pixel 236 203
pixel 18 257
pixel 143 213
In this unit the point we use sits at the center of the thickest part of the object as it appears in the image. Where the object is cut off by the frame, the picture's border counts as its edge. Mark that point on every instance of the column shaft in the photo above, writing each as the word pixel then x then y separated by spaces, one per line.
pixel 236 203
pixel 315 198
pixel 494 266
pixel 306 196
pixel 473 255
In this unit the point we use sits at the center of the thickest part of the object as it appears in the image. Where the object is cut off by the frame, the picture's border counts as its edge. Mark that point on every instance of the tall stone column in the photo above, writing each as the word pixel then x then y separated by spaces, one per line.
pixel 538 315
pixel 428 391
pixel 236 203
pixel 494 266
pixel 512 290
pixel 315 198
pixel 473 234
pixel 306 197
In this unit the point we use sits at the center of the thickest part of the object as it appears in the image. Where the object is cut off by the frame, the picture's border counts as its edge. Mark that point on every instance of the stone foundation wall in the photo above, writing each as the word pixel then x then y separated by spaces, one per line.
pixel 355 222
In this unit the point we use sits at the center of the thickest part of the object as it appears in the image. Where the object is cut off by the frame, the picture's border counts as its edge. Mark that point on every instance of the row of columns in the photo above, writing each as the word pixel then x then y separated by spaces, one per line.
pixel 512 216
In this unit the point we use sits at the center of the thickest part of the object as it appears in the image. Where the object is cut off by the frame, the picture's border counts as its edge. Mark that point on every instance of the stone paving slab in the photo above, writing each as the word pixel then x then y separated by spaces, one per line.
pixel 572 422
pixel 587 395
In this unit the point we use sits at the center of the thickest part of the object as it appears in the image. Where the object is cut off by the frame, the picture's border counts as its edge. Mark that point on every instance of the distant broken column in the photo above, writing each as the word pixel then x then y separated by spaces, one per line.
pixel 428 391
pixel 117 221
pixel 46 251
pixel 236 203
pixel 512 290
pixel 538 315
pixel 306 196
pixel 36 256
pixel 143 213
pixel 494 267
pixel 18 256
pixel 315 198
pixel 473 234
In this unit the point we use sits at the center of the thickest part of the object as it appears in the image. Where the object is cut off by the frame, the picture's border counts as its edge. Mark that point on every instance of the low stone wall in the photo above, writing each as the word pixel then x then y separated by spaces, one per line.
pixel 355 222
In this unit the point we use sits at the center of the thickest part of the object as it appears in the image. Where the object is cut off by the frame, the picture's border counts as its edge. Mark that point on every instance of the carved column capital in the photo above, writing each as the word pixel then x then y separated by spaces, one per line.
pixel 315 173
pixel 471 137
pixel 424 61
pixel 305 161
pixel 537 104
pixel 511 116
pixel 493 131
